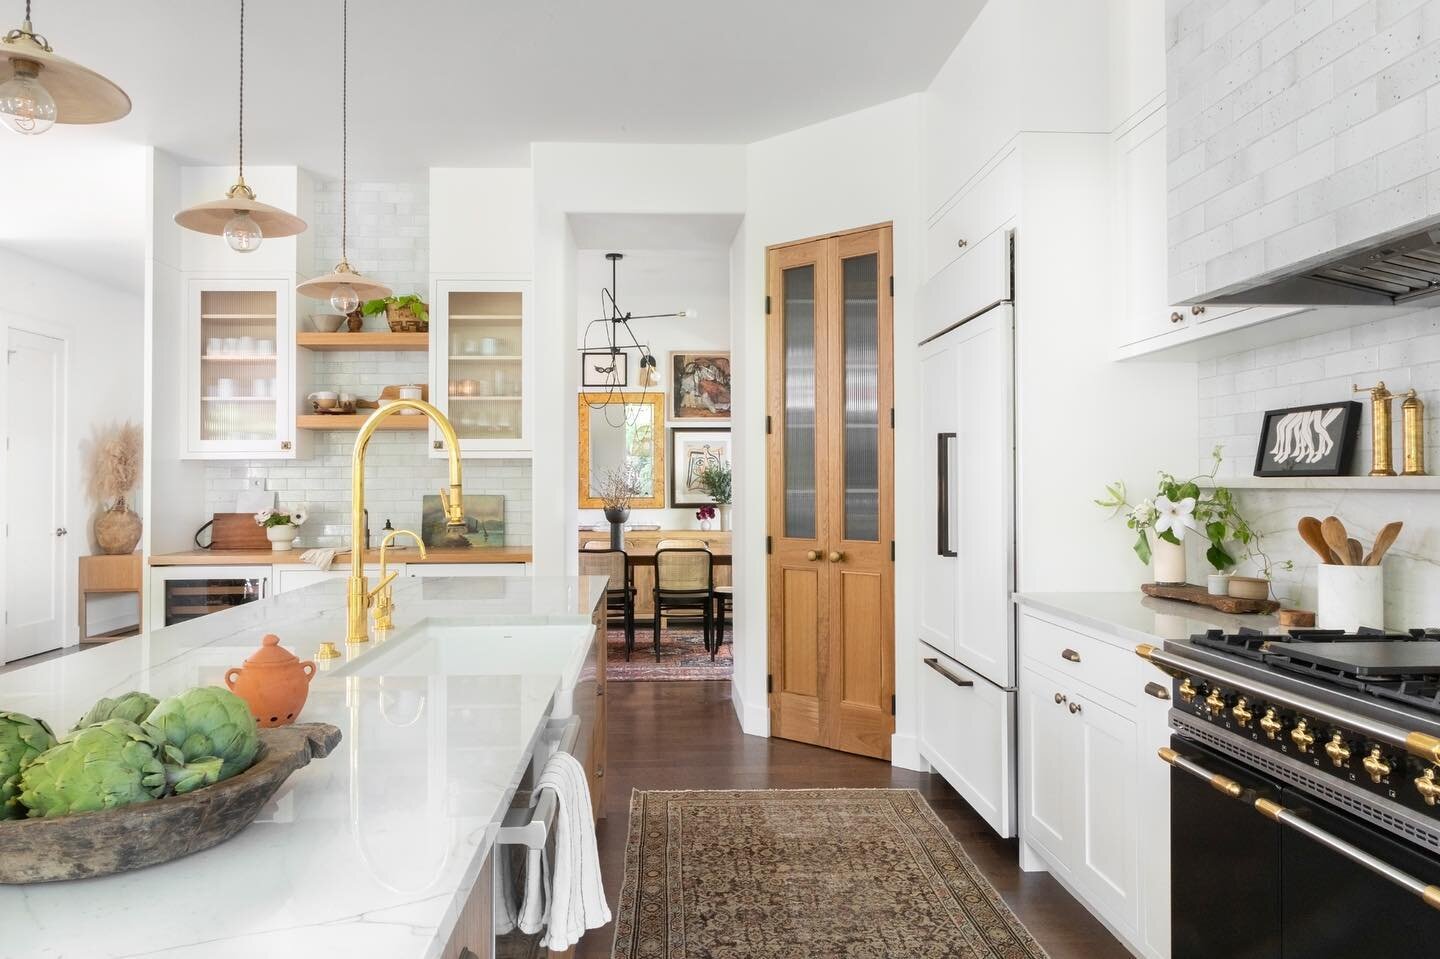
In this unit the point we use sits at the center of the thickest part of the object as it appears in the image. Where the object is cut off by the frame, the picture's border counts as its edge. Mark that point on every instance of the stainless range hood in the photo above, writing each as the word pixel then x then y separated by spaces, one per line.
pixel 1384 273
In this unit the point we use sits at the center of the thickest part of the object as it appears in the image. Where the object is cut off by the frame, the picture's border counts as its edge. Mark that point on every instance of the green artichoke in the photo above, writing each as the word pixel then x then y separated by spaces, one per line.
pixel 134 706
pixel 207 721
pixel 112 764
pixel 21 740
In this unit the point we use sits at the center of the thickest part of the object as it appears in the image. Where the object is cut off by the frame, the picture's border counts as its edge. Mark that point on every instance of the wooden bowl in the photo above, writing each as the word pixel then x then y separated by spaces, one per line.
pixel 1249 587
pixel 92 844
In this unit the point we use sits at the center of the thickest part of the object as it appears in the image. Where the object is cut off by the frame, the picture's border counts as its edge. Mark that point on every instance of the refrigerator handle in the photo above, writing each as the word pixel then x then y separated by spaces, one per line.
pixel 942 455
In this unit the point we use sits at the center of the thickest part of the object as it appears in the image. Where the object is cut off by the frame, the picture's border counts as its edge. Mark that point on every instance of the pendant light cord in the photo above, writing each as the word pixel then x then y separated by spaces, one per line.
pixel 344 127
pixel 242 90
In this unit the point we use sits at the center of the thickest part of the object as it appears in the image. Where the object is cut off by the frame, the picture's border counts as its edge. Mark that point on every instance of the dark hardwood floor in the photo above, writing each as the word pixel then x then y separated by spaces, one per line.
pixel 684 735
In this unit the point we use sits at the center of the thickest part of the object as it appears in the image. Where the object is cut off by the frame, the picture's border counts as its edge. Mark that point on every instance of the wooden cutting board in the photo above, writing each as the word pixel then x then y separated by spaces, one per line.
pixel 237 531
pixel 1200 596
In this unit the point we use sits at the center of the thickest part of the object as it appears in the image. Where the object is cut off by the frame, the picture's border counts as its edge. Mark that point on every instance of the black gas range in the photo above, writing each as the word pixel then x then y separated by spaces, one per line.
pixel 1305 790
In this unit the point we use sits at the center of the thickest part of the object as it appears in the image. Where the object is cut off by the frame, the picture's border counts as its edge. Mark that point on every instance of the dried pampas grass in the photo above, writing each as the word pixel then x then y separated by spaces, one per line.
pixel 116 462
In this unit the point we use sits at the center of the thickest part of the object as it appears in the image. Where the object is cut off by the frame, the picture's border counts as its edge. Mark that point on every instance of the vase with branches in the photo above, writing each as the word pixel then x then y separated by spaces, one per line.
pixel 617 487
pixel 113 472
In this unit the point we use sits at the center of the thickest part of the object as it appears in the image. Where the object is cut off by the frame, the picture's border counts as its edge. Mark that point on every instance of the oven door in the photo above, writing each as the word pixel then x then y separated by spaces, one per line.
pixel 529 831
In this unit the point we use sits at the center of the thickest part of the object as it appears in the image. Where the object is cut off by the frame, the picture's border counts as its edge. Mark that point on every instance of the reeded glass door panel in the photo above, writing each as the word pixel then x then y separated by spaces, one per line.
pixel 861 439
pixel 485 365
pixel 238 379
pixel 799 346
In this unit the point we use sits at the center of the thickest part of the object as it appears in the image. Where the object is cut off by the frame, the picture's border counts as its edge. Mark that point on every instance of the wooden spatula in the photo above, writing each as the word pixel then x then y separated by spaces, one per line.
pixel 1383 541
pixel 1310 532
pixel 1357 552
pixel 1336 538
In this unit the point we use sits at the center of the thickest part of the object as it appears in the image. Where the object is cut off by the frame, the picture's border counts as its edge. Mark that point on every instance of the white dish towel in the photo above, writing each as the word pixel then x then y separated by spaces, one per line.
pixel 321 557
pixel 577 897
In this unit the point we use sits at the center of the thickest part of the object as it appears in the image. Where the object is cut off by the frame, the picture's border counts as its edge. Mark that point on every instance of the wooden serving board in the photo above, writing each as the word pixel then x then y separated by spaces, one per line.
pixel 1200 596
pixel 87 845
pixel 237 531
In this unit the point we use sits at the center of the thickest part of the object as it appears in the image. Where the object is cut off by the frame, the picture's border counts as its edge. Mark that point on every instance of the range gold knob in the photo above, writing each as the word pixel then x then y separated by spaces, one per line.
pixel 1376 766
pixel 1271 724
pixel 1427 785
pixel 1336 749
pixel 1188 692
pixel 1302 737
pixel 1241 713
pixel 1215 701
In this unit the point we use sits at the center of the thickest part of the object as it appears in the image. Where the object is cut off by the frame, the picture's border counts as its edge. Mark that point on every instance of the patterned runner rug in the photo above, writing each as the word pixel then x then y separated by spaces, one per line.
pixel 682 655
pixel 785 874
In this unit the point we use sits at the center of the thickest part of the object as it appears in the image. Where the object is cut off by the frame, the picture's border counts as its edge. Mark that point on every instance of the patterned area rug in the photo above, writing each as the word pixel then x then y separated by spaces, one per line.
pixel 781 874
pixel 682 655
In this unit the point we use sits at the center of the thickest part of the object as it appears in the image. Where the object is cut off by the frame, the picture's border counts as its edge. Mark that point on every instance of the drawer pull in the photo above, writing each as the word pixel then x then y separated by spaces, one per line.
pixel 1197 311
pixel 1176 318
pixel 1074 708
pixel 1070 654
pixel 1059 699
pixel 1156 690
pixel 962 244
pixel 934 664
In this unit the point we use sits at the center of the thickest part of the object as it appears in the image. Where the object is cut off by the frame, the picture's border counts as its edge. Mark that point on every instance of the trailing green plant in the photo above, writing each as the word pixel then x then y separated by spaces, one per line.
pixel 715 478
pixel 1197 504
pixel 410 301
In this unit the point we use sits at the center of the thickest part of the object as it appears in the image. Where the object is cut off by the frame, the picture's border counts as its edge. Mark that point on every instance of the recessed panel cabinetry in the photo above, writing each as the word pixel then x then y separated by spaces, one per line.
pixel 239 369
pixel 481 354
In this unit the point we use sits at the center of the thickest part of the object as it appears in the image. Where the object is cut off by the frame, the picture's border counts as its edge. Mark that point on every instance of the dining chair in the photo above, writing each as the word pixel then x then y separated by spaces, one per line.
pixel 684 579
pixel 723 597
pixel 598 559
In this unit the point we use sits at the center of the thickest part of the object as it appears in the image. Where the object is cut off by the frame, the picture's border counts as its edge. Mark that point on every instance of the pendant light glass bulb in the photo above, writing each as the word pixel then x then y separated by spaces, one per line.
pixel 25 105
pixel 243 233
pixel 344 299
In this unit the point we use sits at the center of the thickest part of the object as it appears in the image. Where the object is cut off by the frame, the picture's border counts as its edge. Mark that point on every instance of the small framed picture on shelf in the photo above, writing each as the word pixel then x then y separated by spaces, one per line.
pixel 601 368
pixel 700 386
pixel 691 450
pixel 1308 440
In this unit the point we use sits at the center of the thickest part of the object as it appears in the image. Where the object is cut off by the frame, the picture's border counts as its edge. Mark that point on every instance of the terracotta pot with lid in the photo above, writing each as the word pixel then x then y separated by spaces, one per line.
pixel 273 682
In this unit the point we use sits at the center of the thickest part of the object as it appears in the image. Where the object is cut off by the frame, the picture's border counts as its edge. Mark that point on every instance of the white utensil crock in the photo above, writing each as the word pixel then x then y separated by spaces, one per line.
pixel 1351 597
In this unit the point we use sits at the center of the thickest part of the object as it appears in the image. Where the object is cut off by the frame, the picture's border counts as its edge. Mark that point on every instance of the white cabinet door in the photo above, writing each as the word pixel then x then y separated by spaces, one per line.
pixel 1153 798
pixel 967 733
pixel 983 472
pixel 1136 56
pixel 1048 765
pixel 1104 858
pixel 288 579
pixel 940 429
pixel 1143 235
pixel 482 362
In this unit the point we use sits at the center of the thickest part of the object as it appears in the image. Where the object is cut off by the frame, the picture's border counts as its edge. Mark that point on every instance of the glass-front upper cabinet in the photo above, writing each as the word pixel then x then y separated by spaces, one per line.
pixel 239 363
pixel 480 341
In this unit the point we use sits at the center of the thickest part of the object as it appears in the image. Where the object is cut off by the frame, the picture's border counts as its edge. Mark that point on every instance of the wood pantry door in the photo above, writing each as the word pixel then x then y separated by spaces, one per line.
pixel 831 511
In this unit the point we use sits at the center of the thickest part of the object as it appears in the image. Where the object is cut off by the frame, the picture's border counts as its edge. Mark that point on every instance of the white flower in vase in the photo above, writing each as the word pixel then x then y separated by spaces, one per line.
pixel 1175 517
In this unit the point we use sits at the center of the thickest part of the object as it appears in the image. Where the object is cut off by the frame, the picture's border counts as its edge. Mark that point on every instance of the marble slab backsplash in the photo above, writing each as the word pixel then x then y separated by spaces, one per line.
pixel 1236 390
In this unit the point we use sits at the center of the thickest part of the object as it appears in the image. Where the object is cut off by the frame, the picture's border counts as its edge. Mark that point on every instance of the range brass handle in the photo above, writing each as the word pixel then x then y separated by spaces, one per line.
pixel 1220 783
pixel 812 555
pixel 836 556
pixel 1156 690
pixel 1070 654
pixel 934 664
pixel 1074 708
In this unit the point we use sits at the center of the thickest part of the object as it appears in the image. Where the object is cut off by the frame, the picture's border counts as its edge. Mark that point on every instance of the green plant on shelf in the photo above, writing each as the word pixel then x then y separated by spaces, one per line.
pixel 410 301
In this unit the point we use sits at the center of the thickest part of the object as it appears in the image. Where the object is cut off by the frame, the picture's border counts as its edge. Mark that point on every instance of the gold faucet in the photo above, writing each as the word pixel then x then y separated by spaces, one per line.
pixel 384 601
pixel 359 595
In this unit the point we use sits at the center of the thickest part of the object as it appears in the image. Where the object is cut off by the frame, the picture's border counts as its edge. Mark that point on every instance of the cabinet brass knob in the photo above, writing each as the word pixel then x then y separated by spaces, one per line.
pixel 962 244
pixel 1059 698
pixel 1074 708
pixel 1176 317
pixel 284 444
pixel 1197 310
pixel 1069 655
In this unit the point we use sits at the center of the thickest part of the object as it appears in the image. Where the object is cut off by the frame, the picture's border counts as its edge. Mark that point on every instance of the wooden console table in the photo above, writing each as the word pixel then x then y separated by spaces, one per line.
pixel 108 574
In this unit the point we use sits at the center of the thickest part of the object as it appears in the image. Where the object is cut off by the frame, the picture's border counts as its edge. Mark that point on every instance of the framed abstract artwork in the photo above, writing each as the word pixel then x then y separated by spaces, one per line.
pixel 691 450
pixel 1308 440
pixel 700 386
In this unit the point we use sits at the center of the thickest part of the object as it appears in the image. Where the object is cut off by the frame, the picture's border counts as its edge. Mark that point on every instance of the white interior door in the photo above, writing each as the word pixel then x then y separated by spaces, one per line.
pixel 35 495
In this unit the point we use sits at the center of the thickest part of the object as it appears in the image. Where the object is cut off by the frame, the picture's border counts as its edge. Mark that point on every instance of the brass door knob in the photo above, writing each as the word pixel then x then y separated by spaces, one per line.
pixel 1336 749
pixel 1188 692
pixel 1271 724
pixel 1376 766
pixel 1301 736
pixel 812 555
pixel 836 556
pixel 1428 786
pixel 1241 713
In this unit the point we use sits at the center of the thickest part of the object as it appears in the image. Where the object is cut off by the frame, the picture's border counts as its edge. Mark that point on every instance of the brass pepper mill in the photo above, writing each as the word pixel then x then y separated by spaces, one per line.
pixel 1412 413
pixel 1383 462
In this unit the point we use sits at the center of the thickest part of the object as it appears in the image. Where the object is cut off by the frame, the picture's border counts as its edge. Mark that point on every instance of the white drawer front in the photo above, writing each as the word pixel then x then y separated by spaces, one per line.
pixel 974 283
pixel 967 728
pixel 1079 657
pixel 980 211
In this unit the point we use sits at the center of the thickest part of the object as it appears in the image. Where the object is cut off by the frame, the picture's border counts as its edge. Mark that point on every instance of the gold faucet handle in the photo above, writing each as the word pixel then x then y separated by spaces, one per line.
pixel 453 500
pixel 381 587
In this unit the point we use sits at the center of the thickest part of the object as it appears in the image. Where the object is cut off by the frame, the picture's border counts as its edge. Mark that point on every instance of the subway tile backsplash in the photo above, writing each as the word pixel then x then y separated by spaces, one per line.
pixel 389 240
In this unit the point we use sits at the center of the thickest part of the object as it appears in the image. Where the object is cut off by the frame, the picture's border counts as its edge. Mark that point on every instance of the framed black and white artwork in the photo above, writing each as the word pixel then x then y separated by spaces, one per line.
pixel 600 369
pixel 691 450
pixel 1308 440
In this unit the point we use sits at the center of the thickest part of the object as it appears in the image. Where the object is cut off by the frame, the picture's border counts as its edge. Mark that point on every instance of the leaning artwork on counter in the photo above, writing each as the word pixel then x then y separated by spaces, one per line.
pixel 1308 440
pixel 700 387
pixel 484 519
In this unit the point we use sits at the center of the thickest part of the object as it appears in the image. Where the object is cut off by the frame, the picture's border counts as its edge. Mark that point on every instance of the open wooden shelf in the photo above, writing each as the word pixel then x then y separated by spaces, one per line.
pixel 355 342
pixel 353 421
pixel 1388 484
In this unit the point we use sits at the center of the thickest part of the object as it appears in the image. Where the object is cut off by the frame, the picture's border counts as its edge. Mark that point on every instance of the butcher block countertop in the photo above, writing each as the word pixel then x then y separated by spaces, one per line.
pixel 266 557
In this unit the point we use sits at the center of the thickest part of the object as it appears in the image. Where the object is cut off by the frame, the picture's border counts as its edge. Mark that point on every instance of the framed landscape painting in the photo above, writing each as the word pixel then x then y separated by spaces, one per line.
pixel 484 519
pixel 1308 440
pixel 691 450
pixel 700 386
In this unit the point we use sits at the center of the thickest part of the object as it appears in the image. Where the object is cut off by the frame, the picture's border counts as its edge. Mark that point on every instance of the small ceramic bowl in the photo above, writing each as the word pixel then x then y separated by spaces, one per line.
pixel 326 322
pixel 1249 587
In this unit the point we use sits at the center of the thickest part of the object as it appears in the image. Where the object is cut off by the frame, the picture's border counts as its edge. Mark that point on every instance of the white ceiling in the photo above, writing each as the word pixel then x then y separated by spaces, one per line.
pixel 450 83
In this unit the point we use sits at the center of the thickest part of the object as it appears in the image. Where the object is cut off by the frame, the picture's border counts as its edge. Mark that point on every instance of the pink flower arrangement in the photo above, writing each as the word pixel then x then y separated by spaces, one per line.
pixel 705 512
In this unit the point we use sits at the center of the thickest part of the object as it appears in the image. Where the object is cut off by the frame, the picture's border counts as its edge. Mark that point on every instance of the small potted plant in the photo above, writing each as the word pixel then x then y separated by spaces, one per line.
pixel 281 527
pixel 705 514
pixel 617 488
pixel 114 472
pixel 715 479
pixel 405 314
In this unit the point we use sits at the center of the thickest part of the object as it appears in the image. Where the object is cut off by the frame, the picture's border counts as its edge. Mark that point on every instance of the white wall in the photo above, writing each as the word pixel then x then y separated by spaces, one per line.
pixel 849 172
pixel 102 327
pixel 659 281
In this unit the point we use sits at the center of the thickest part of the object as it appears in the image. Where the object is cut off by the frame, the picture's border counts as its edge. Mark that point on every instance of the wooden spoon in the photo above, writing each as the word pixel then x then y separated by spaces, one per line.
pixel 1357 552
pixel 1310 532
pixel 1336 538
pixel 1383 541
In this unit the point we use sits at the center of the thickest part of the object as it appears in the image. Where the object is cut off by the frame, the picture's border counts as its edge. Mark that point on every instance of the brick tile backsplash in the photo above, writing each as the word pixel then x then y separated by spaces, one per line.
pixel 389 240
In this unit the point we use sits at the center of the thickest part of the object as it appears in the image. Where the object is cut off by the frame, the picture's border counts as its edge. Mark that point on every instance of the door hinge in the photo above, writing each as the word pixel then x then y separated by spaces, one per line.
pixel 892 285
pixel 892 417
pixel 767 304
pixel 768 545
pixel 892 551
pixel 769 682
pixel 892 704
pixel 767 426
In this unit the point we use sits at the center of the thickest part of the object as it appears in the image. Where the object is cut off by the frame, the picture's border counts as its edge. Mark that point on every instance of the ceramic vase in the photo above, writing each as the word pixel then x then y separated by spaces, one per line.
pixel 281 537
pixel 704 525
pixel 117 530
pixel 1169 559
pixel 724 511
pixel 617 518
pixel 273 682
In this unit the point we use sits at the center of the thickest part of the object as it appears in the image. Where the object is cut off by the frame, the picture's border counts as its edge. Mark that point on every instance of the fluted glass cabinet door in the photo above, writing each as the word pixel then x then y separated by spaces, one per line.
pixel 861 399
pixel 798 331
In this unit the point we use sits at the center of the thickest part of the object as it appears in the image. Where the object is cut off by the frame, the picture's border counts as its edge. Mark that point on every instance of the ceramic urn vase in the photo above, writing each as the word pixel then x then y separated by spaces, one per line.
pixel 273 682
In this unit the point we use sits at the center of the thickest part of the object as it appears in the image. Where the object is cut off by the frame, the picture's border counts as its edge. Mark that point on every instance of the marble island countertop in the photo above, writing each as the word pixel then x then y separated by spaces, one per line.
pixel 1137 618
pixel 397 554
pixel 371 851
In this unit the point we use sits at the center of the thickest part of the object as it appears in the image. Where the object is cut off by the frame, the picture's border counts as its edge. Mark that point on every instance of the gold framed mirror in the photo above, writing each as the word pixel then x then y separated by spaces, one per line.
pixel 613 435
